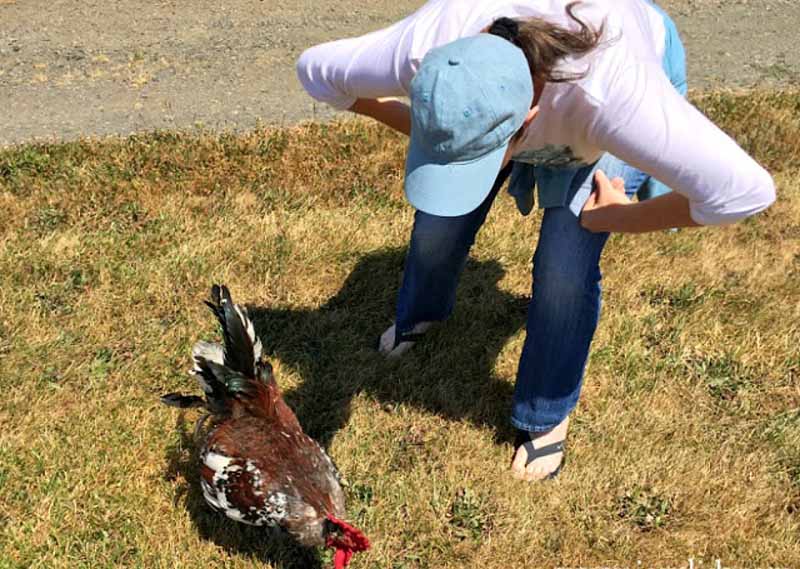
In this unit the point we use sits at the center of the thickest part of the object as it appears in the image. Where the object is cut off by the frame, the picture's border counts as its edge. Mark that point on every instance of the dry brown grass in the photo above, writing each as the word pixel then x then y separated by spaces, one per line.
pixel 686 442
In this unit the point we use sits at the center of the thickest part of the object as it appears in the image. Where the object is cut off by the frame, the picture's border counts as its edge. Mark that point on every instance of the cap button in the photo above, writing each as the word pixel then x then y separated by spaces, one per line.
pixel 453 61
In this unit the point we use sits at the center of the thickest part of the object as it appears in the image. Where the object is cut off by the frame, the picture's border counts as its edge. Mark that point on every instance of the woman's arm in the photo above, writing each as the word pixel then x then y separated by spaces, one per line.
pixel 391 112
pixel 357 73
pixel 609 210
pixel 341 72
pixel 649 125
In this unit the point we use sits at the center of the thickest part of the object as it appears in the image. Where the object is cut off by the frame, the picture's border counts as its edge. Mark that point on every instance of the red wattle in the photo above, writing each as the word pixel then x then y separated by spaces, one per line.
pixel 349 542
pixel 358 541
pixel 341 558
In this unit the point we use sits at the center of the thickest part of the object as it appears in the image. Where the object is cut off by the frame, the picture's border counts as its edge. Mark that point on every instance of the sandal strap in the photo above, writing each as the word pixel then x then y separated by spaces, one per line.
pixel 407 337
pixel 524 440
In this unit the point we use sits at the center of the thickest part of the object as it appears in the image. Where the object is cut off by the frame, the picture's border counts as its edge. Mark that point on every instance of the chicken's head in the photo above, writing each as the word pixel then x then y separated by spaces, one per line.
pixel 345 539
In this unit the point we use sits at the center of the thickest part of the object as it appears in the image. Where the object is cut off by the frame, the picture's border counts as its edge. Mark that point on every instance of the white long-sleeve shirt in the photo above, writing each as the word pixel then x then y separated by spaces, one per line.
pixel 624 105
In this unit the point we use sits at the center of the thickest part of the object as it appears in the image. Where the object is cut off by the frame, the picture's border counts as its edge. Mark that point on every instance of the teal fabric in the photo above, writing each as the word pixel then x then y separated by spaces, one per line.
pixel 674 64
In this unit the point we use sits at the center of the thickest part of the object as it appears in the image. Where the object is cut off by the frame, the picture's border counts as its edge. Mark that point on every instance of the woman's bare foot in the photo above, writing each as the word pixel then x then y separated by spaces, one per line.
pixel 543 466
pixel 391 348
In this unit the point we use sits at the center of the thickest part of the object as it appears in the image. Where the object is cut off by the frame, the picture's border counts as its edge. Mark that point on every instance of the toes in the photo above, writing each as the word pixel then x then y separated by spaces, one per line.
pixel 519 459
pixel 534 475
pixel 518 464
pixel 401 349
pixel 536 470
pixel 387 340
pixel 542 468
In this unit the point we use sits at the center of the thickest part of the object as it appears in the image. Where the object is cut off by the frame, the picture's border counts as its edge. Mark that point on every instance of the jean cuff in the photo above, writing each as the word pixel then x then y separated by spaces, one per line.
pixel 535 428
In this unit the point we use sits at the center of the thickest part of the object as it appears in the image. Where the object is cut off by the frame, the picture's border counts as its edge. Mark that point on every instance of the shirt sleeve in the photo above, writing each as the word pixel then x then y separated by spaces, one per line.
pixel 650 126
pixel 374 65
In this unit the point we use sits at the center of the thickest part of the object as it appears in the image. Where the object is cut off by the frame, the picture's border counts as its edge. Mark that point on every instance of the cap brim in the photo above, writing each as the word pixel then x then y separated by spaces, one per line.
pixel 450 189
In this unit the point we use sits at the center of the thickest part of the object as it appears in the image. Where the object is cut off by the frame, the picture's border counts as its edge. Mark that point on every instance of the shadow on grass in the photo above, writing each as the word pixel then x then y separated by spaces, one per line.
pixel 450 373
pixel 332 347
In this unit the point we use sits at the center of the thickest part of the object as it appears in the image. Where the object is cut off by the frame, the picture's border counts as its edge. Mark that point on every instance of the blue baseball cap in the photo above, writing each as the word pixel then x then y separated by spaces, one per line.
pixel 468 99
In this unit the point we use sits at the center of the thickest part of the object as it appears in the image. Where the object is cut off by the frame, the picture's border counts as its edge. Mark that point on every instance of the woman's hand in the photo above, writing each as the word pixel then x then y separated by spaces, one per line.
pixel 608 210
pixel 607 195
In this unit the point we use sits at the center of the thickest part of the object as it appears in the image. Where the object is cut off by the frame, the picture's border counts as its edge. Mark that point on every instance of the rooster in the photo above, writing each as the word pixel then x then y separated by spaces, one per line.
pixel 257 466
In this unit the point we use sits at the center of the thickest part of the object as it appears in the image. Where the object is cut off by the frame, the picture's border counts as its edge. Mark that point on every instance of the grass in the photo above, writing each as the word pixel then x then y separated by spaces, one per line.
pixel 685 444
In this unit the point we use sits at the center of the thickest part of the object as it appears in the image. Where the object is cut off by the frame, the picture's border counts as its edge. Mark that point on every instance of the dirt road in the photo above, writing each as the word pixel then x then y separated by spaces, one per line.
pixel 91 67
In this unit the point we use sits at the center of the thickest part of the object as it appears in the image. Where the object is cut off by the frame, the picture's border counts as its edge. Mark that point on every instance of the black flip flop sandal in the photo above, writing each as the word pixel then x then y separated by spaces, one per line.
pixel 400 338
pixel 524 440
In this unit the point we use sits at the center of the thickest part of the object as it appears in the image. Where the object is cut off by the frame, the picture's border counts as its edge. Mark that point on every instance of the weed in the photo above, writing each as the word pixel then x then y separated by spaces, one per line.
pixel 645 508
pixel 724 375
pixel 468 515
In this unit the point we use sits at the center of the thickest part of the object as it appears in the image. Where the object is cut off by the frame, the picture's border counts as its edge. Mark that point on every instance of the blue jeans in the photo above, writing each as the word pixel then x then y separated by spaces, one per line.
pixel 565 304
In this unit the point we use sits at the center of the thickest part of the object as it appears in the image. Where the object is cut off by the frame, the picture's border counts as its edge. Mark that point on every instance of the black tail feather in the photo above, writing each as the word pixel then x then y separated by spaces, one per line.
pixel 231 376
pixel 182 401
pixel 242 348
pixel 213 380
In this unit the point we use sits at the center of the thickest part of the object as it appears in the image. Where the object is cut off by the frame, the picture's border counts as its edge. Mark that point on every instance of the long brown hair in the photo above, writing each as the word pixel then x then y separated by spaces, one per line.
pixel 545 44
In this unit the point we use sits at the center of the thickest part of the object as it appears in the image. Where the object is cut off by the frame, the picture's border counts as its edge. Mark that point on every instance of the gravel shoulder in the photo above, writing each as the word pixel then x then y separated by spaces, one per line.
pixel 92 68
